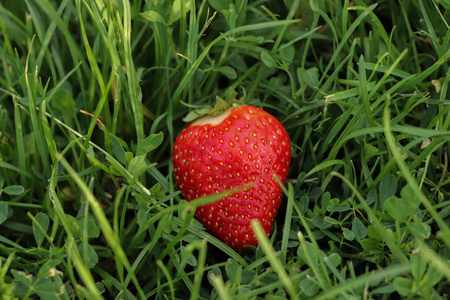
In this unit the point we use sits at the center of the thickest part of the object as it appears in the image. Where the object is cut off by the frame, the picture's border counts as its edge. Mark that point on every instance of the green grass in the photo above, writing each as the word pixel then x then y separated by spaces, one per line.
pixel 92 96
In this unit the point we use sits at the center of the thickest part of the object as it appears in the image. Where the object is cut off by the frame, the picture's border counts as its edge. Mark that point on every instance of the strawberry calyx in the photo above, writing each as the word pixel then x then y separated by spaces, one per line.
pixel 220 107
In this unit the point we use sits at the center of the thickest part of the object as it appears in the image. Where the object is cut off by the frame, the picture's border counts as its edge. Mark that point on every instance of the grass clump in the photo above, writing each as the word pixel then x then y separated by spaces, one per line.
pixel 93 93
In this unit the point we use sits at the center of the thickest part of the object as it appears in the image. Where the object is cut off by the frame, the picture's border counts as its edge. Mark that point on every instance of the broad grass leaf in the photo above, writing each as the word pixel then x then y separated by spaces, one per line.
pixel 373 232
pixel 44 221
pixel 153 16
pixel 370 151
pixel 340 208
pixel 387 188
pixel 418 266
pixel 92 257
pixel 100 287
pixel 3 212
pixel 309 287
pixel 348 234
pixel 232 268
pixel 268 60
pixel 188 257
pixel 243 291
pixel 419 230
pixel 137 165
pixel 314 255
pixel 247 276
pixel 118 150
pixel 433 275
pixel 22 277
pixel 320 222
pixel 48 290
pixel 326 199
pixel 335 259
pixel 150 143
pixel 63 102
pixel 47 269
pixel 74 226
pixel 217 272
pixel 176 12
pixel 410 198
pixel 331 235
pixel 359 229
pixel 370 244
pixel 402 285
pixel 229 72
pixel 287 54
pixel 14 190
pixel 371 197
pixel 93 230
pixel 219 5
pixel 388 289
pixel 34 85
pixel 239 63
pixel 309 76
pixel 331 220
pixel 25 101
pixel 396 208
pixel 303 203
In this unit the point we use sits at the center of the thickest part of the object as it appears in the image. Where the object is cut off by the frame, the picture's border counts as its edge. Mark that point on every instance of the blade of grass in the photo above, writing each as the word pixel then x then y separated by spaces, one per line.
pixel 404 169
pixel 290 16
pixel 201 247
pixel 375 221
pixel 105 227
pixel 417 79
pixel 363 280
pixel 90 56
pixel 364 91
pixel 20 145
pixel 108 156
pixel 144 253
pixel 343 42
pixel 274 261
pixel 190 73
pixel 133 84
pixel 434 259
pixel 220 286
pixel 98 110
pixel 166 272
pixel 58 253
pixel 82 269
pixel 75 51
pixel 47 132
pixel 434 39
pixel 287 225
pixel 39 138
pixel 71 247
pixel 380 27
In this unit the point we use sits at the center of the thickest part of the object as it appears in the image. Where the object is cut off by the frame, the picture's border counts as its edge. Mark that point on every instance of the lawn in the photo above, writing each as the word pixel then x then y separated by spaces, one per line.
pixel 93 94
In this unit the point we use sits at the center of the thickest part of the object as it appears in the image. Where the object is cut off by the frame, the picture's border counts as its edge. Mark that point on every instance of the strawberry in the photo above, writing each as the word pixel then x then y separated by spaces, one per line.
pixel 242 147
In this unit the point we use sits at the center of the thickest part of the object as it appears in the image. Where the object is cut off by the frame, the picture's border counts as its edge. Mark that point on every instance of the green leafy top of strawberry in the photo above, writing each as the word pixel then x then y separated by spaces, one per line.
pixel 220 106
pixel 241 146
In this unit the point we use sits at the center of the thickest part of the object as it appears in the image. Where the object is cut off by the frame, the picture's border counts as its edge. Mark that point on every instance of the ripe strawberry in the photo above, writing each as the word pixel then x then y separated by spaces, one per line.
pixel 243 145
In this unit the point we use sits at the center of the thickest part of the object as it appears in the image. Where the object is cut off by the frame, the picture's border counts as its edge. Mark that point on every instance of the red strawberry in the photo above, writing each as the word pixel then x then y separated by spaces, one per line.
pixel 243 145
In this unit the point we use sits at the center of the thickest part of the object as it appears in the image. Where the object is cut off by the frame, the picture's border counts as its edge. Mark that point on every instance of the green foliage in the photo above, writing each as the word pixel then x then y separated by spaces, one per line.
pixel 93 94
